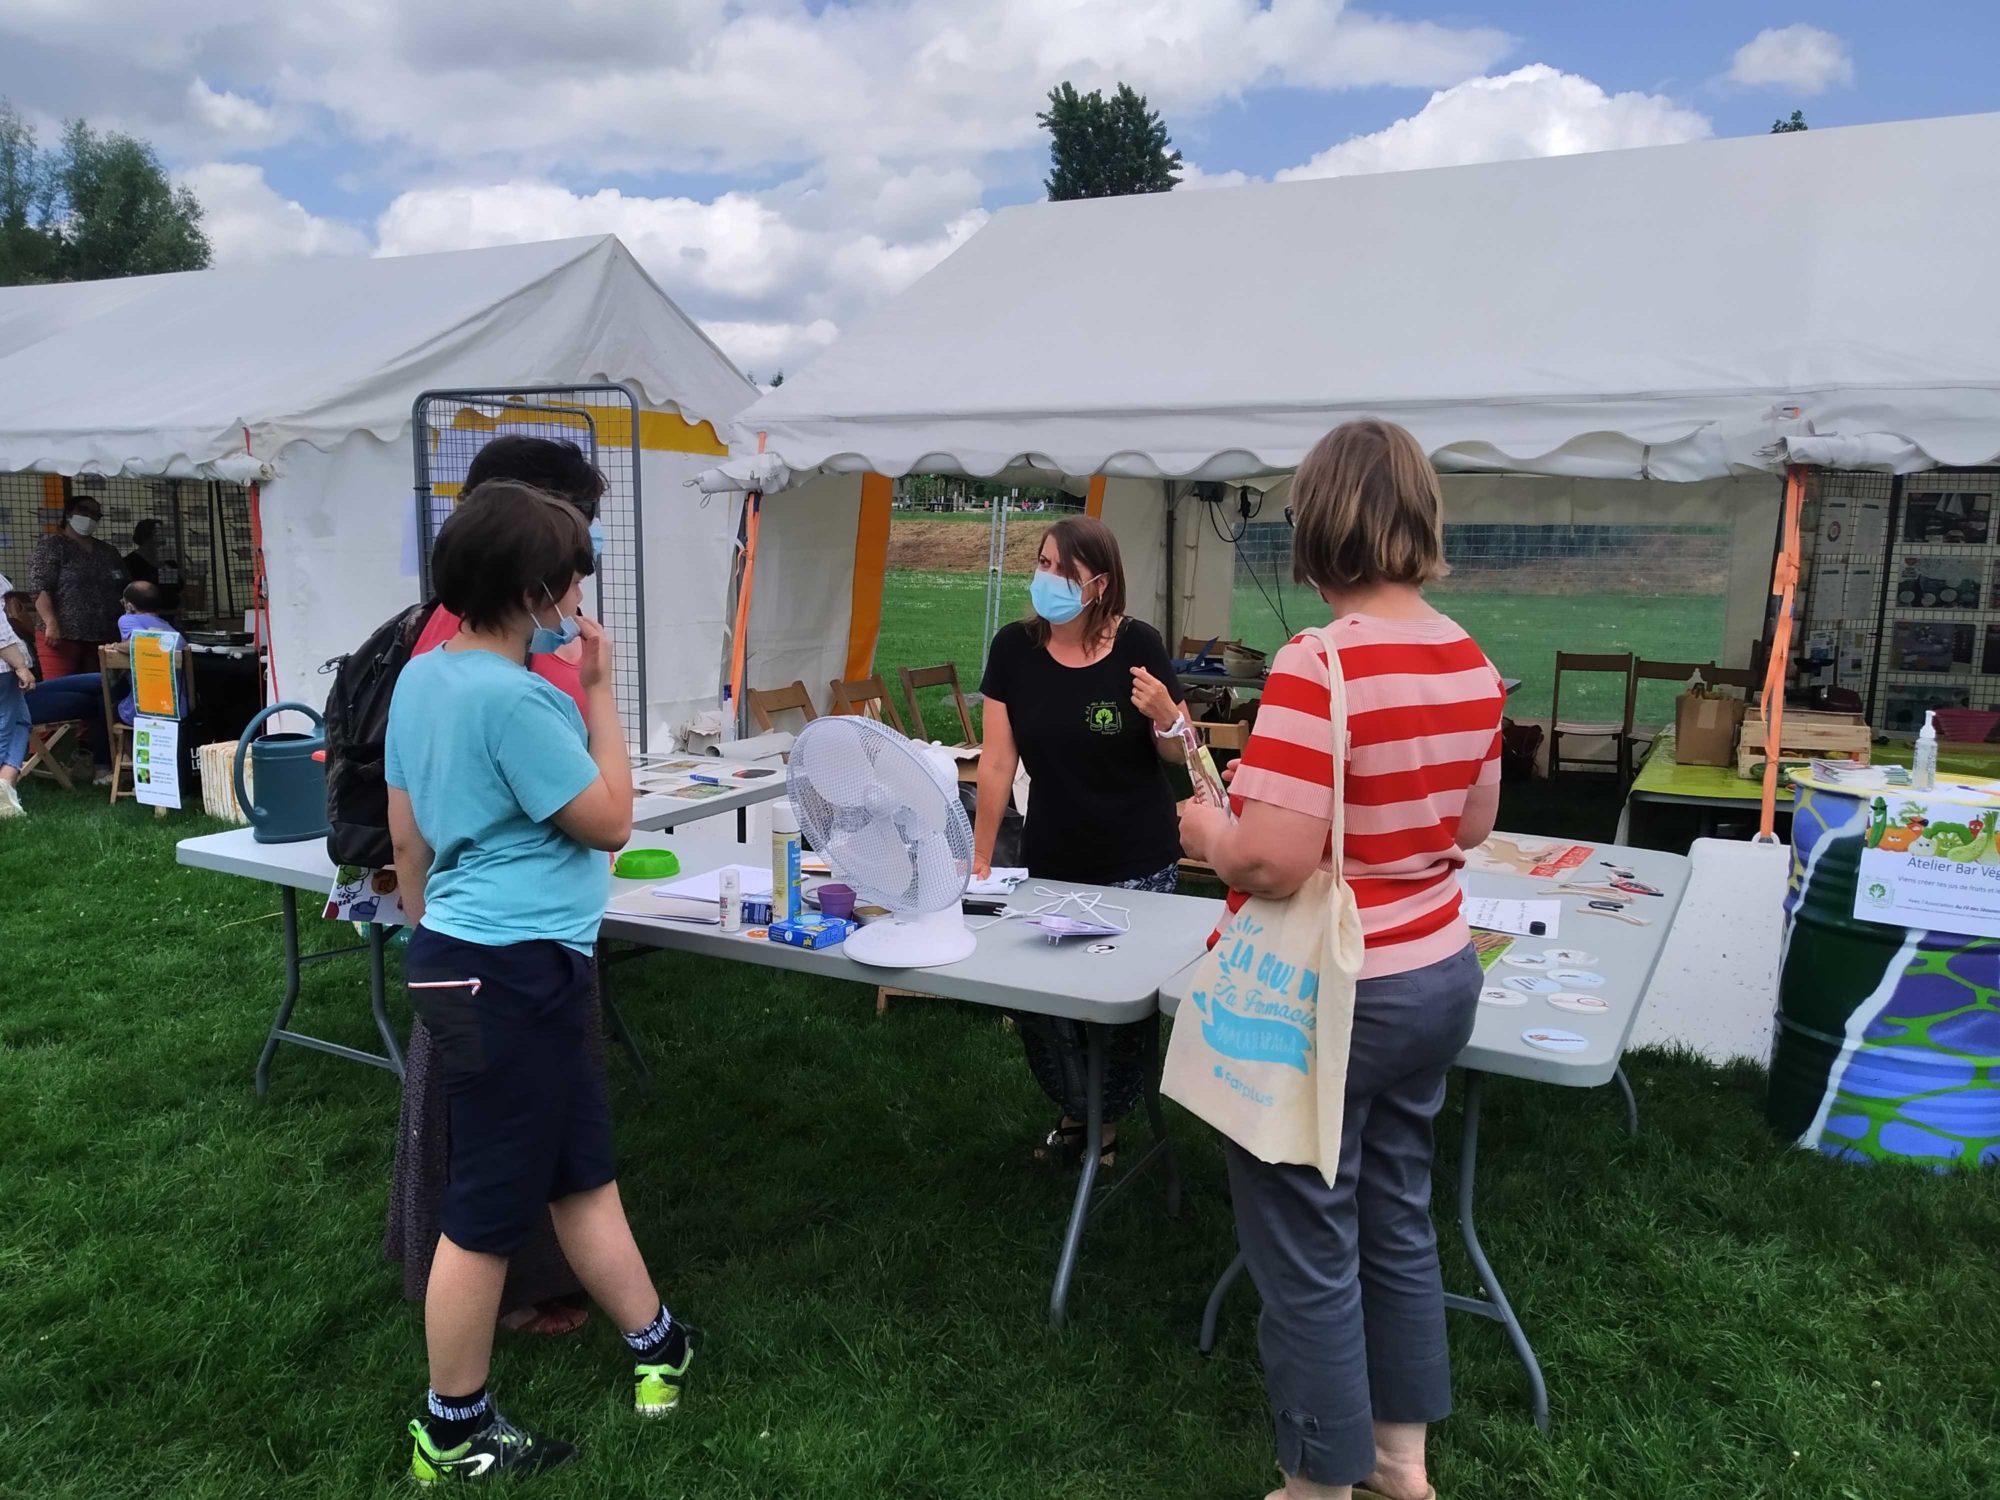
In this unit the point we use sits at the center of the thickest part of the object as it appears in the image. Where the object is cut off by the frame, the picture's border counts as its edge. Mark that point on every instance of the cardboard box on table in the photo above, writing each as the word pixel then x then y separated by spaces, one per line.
pixel 1705 728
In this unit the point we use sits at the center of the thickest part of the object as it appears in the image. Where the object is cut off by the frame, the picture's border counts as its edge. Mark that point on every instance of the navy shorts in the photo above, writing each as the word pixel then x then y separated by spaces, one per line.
pixel 529 1121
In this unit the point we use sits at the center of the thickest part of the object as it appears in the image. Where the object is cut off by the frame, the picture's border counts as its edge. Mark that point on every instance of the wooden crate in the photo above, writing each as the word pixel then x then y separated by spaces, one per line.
pixel 1805 736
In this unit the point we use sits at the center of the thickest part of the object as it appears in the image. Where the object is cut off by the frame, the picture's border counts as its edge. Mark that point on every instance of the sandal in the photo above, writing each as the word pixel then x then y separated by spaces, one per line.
pixel 550 1319
pixel 1064 1145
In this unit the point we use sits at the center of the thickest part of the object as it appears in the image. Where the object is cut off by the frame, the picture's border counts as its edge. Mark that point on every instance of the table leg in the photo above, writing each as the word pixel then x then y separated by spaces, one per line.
pixel 378 995
pixel 1209 1314
pixel 1631 1103
pixel 284 1016
pixel 1494 1304
pixel 616 1017
pixel 1157 1118
pixel 1086 1177
pixel 1623 837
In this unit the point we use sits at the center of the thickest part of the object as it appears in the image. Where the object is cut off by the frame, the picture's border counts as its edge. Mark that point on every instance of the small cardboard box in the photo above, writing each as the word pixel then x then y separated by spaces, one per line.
pixel 812 932
pixel 1705 728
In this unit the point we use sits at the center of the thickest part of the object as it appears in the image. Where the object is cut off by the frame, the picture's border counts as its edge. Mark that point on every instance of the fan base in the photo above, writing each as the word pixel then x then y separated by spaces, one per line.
pixel 912 940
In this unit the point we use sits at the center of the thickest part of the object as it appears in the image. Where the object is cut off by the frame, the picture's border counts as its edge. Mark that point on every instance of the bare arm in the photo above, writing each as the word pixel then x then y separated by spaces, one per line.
pixel 45 609
pixel 1475 825
pixel 17 660
pixel 1151 698
pixel 600 816
pixel 998 759
pixel 1268 851
pixel 413 855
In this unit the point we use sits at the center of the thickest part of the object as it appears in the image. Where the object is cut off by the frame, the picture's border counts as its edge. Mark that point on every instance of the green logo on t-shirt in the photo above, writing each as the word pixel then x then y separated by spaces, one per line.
pixel 1103 718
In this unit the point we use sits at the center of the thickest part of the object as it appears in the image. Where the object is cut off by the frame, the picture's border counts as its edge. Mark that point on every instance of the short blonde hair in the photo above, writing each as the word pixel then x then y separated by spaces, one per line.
pixel 1366 509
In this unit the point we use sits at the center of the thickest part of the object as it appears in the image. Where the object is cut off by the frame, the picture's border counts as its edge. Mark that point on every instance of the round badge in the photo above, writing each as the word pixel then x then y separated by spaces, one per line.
pixel 1554 1041
pixel 1582 1005
pixel 1102 948
pixel 1526 960
pixel 1533 984
pixel 1575 957
pixel 1578 979
pixel 1493 995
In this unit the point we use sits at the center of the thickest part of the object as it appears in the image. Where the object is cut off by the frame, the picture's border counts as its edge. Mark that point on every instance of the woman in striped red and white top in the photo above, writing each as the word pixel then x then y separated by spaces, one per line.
pixel 1352 1333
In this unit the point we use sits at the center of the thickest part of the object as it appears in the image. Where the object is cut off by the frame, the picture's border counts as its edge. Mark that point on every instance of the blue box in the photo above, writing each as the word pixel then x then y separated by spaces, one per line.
pixel 812 932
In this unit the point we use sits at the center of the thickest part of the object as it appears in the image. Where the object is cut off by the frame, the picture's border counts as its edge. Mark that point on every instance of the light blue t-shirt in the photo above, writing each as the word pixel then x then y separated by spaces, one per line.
pixel 489 753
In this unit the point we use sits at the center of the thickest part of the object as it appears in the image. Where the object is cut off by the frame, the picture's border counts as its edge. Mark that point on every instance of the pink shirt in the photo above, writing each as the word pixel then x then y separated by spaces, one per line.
pixel 443 625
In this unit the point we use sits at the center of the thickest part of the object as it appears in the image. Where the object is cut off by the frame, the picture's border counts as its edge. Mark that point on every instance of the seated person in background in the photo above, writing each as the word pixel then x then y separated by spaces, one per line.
pixel 58 700
pixel 142 612
pixel 143 564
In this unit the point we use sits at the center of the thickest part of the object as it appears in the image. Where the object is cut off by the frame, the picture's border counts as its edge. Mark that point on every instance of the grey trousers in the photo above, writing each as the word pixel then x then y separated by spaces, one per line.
pixel 1352 1329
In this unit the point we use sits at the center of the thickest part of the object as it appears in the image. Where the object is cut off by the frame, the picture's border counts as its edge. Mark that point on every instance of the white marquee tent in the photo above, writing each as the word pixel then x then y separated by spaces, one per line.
pixel 1701 314
pixel 300 376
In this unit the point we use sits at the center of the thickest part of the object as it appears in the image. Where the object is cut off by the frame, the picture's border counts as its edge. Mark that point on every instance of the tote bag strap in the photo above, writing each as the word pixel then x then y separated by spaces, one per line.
pixel 1336 708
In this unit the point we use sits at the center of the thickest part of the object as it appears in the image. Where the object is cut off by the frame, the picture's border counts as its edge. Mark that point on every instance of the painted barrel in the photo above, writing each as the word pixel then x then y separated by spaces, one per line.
pixel 1887 1045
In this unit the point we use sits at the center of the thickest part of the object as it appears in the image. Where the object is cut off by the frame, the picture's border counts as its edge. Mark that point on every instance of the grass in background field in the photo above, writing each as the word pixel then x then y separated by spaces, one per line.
pixel 191 1303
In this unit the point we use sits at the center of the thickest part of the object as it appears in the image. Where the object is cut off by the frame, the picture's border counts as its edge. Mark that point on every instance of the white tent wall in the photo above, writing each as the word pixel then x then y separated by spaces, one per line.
pixel 689 540
pixel 803 598
pixel 1137 511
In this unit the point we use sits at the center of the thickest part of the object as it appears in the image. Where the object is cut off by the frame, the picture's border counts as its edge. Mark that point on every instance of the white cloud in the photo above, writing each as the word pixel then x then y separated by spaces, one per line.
pixel 1799 57
pixel 232 120
pixel 247 220
pixel 1194 179
pixel 1533 111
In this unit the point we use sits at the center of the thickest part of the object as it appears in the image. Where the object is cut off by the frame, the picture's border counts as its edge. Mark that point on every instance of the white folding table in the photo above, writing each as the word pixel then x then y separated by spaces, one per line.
pixel 1623 955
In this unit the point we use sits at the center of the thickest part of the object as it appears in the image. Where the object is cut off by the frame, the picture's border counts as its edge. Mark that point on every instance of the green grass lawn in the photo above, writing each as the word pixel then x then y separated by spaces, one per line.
pixel 936 617
pixel 191 1302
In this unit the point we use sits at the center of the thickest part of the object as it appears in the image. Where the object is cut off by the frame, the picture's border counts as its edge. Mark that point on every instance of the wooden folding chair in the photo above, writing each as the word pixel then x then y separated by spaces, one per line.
pixel 1639 736
pixel 765 702
pixel 115 665
pixel 1578 663
pixel 918 679
pixel 45 742
pixel 868 696
pixel 1747 678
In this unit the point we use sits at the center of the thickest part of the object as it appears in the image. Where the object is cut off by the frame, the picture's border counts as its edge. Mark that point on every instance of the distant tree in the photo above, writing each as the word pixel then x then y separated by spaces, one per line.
pixel 1106 148
pixel 1786 127
pixel 777 380
pixel 93 207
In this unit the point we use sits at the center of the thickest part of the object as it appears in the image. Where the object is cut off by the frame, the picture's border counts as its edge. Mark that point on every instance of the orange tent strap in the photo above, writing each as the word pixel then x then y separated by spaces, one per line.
pixel 1784 584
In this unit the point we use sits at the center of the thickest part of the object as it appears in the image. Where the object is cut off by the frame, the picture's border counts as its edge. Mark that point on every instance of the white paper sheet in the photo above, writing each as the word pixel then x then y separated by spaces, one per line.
pixel 1490 914
pixel 754 880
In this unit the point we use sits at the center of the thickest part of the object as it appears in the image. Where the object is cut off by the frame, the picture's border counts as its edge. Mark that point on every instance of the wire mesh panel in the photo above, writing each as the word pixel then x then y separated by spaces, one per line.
pixel 450 427
pixel 1938 639
pixel 1845 530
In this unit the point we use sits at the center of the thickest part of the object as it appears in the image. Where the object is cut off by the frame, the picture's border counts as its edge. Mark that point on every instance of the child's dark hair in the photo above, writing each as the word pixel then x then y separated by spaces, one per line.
pixel 507 544
pixel 554 465
pixel 143 596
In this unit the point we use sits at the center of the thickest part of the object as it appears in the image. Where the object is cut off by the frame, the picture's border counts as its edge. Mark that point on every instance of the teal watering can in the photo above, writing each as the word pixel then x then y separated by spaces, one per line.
pixel 291 779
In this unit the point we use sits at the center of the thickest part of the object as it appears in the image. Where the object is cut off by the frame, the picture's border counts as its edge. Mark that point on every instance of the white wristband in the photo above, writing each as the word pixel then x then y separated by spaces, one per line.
pixel 1172 730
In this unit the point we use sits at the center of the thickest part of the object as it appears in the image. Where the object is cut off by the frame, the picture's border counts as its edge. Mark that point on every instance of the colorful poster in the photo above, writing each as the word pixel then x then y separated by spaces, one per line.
pixel 1916 646
pixel 156 760
pixel 156 687
pixel 1538 859
pixel 1930 864
pixel 1957 517
pixel 363 895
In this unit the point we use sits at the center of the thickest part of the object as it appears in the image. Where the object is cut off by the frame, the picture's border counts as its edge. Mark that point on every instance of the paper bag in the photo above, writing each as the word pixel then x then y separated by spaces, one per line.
pixel 1705 728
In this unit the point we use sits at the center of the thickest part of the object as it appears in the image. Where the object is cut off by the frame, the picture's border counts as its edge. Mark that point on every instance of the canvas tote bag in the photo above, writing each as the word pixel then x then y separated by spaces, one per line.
pixel 1259 1048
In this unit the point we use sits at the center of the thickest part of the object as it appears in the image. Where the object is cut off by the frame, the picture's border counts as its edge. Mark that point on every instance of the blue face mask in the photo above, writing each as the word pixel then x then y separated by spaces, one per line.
pixel 1055 598
pixel 596 541
pixel 548 639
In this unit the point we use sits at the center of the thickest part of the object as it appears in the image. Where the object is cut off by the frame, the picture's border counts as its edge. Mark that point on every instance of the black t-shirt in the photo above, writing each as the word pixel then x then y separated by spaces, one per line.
pixel 1100 809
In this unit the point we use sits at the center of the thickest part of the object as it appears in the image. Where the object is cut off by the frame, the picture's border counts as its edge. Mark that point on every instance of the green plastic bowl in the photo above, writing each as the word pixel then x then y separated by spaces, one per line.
pixel 647 864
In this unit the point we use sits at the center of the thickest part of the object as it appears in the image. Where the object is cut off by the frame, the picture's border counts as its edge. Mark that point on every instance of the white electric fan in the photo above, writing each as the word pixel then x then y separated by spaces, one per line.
pixel 885 813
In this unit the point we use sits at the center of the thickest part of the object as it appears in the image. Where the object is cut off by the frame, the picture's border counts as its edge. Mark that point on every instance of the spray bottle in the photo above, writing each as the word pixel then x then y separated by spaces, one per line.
pixel 785 903
pixel 1923 765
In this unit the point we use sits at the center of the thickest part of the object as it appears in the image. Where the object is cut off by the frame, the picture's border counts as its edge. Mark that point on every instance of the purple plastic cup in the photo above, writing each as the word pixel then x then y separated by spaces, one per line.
pixel 836 900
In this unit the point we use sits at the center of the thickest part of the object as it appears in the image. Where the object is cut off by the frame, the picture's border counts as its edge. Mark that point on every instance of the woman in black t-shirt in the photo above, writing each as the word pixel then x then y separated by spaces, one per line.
pixel 1087 700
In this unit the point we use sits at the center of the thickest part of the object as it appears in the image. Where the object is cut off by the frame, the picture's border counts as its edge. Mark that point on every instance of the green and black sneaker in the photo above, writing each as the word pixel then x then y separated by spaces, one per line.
pixel 497 1448
pixel 656 1387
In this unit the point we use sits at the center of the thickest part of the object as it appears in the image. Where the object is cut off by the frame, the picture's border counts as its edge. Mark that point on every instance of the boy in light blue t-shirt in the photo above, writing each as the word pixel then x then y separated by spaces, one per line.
pixel 502 798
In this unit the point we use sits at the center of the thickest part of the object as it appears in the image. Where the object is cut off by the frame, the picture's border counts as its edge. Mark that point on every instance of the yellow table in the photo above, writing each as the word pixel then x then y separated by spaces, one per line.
pixel 1662 779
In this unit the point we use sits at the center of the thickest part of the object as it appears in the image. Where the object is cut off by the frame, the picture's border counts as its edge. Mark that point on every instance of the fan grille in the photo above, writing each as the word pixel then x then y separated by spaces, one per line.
pixel 884 813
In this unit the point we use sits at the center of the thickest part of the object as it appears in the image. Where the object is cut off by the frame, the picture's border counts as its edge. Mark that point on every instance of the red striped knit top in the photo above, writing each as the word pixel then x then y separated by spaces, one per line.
pixel 1423 713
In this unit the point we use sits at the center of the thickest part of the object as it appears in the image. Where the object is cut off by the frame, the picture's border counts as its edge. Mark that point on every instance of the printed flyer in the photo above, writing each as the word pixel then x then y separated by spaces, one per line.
pixel 1930 863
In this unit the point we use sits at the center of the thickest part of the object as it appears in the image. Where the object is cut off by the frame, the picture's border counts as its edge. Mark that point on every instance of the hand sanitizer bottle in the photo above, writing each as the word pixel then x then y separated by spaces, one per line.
pixel 1923 765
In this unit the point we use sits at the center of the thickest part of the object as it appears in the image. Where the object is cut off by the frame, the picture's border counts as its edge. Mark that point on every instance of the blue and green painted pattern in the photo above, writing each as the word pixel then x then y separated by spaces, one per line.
pixel 1888 1041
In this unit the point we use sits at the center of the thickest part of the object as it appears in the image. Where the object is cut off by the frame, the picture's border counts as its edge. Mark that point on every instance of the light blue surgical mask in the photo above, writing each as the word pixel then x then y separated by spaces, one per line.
pixel 596 542
pixel 548 639
pixel 1055 598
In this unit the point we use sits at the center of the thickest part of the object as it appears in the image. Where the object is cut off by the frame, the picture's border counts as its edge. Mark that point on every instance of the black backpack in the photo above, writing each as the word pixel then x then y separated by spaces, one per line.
pixel 357 733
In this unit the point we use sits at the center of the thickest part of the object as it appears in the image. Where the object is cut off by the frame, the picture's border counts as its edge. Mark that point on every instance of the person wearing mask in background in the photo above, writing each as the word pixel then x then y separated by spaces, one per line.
pixel 58 700
pixel 1352 1333
pixel 1087 701
pixel 542 1294
pixel 503 800
pixel 76 580
pixel 142 606
pixel 143 564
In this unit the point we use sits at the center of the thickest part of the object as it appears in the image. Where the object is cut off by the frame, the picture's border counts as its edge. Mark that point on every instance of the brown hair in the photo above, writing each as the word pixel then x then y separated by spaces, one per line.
pixel 1086 546
pixel 505 542
pixel 1367 509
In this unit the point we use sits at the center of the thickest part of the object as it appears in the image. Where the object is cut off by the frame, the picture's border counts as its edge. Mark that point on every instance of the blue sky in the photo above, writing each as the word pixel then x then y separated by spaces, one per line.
pixel 784 166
